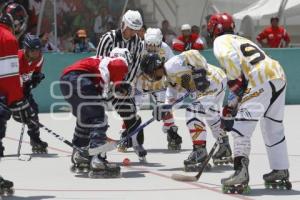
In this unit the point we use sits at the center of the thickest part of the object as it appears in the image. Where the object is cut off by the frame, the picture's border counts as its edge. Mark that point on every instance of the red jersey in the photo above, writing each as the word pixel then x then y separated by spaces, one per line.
pixel 28 68
pixel 102 70
pixel 10 85
pixel 193 42
pixel 274 36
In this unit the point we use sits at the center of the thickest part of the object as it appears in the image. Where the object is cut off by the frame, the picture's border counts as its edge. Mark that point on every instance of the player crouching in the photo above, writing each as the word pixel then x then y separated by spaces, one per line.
pixel 83 85
pixel 189 71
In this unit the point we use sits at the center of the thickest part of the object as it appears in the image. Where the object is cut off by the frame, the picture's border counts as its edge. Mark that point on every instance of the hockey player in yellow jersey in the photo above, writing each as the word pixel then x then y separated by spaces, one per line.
pixel 189 71
pixel 257 84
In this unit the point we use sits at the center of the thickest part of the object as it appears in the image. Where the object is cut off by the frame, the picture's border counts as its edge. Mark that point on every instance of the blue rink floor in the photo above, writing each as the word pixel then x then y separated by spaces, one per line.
pixel 49 177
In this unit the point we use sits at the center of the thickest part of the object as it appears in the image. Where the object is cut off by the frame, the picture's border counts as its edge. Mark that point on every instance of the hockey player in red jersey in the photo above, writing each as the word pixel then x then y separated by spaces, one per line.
pixel 84 84
pixel 31 61
pixel 13 19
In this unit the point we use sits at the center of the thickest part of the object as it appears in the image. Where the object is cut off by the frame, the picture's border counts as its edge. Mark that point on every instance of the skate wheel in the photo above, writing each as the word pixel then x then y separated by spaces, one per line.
pixel 274 186
pixel 232 190
pixel 288 185
pixel 247 190
pixel 224 189
pixel 122 149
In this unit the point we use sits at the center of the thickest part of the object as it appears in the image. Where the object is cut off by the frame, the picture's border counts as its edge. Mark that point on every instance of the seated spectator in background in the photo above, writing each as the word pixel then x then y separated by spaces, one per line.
pixel 195 29
pixel 168 33
pixel 142 31
pixel 102 23
pixel 82 43
pixel 47 46
pixel 276 36
pixel 187 40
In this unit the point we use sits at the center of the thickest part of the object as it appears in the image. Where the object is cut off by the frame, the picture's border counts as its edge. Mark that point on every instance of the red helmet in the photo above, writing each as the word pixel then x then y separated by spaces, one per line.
pixel 219 24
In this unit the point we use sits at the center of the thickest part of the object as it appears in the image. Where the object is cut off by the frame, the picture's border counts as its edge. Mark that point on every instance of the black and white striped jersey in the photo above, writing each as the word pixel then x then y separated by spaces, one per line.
pixel 114 39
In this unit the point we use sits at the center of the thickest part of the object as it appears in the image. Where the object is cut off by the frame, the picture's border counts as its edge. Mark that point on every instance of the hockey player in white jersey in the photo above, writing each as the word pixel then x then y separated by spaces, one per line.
pixel 189 71
pixel 259 85
pixel 153 44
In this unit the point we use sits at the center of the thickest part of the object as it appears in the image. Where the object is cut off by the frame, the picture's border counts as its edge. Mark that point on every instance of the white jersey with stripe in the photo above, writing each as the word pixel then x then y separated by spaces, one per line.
pixel 238 55
pixel 181 64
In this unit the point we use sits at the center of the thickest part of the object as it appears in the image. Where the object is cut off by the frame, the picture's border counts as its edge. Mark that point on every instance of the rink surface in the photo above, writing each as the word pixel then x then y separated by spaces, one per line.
pixel 48 176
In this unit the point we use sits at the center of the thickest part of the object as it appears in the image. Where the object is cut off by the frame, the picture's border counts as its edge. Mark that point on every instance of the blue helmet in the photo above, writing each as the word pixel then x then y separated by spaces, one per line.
pixel 32 42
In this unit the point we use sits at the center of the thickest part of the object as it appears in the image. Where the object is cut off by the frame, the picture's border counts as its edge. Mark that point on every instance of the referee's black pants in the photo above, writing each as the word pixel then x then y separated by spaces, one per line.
pixel 126 108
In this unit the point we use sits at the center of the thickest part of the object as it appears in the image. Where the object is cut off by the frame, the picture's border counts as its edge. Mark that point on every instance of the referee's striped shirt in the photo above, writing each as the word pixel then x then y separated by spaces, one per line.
pixel 114 39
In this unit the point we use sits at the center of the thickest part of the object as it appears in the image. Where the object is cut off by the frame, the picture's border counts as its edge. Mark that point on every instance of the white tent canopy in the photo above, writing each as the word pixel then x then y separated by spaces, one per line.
pixel 263 9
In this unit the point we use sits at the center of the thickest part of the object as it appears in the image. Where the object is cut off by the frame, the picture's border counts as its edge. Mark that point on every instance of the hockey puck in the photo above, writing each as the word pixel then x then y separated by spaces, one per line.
pixel 126 162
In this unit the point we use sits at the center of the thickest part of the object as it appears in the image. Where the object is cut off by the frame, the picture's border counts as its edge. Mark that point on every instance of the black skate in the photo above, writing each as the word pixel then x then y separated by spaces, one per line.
pixel 141 153
pixel 6 187
pixel 196 159
pixel 38 146
pixel 174 140
pixel 101 168
pixel 278 179
pixel 223 154
pixel 238 182
pixel 80 162
pixel 1 150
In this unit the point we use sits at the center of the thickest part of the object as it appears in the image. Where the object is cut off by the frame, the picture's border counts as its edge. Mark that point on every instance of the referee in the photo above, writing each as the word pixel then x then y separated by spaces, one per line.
pixel 126 37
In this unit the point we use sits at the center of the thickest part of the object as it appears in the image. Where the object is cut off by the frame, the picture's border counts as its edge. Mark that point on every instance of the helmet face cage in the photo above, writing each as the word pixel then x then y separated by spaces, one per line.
pixel 219 24
pixel 153 40
pixel 149 64
pixel 15 16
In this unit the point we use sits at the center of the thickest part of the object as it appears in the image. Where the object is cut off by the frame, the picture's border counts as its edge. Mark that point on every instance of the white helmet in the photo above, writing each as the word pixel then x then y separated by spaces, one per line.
pixel 186 27
pixel 153 36
pixel 132 19
pixel 123 53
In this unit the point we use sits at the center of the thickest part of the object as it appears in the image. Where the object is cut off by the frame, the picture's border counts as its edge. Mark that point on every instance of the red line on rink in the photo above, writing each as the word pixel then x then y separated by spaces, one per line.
pixel 237 196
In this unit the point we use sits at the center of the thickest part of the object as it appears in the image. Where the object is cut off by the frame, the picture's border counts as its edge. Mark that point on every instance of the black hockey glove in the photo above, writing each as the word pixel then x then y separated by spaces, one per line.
pixel 200 79
pixel 22 112
pixel 123 89
pixel 160 111
pixel 36 79
pixel 5 113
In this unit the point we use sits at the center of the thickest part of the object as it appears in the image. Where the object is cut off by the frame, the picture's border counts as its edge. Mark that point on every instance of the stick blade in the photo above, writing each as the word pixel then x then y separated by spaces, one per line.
pixel 23 157
pixel 108 146
pixel 184 178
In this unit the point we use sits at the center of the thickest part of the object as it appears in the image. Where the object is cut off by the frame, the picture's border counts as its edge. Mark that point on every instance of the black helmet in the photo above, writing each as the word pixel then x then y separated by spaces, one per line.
pixel 150 63
pixel 15 16
pixel 32 42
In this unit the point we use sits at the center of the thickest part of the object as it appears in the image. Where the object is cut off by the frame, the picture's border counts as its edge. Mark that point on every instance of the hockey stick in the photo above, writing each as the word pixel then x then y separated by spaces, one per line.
pixel 113 144
pixel 67 142
pixel 185 178
pixel 22 157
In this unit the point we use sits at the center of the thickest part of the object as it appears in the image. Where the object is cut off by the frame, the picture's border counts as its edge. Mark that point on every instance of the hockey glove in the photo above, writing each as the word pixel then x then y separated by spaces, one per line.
pixel 22 112
pixel 5 113
pixel 238 86
pixel 200 79
pixel 123 89
pixel 160 111
pixel 36 79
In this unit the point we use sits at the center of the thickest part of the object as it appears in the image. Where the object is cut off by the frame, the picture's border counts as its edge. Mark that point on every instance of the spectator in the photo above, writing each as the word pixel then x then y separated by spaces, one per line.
pixel 276 36
pixel 81 42
pixel 168 33
pixel 47 46
pixel 195 29
pixel 142 31
pixel 187 40
pixel 102 23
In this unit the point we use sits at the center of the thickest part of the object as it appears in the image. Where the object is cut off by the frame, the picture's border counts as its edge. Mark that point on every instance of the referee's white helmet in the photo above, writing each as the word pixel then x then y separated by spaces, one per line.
pixel 132 19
